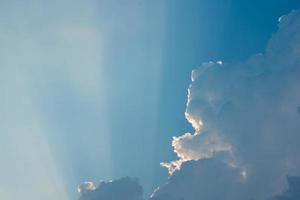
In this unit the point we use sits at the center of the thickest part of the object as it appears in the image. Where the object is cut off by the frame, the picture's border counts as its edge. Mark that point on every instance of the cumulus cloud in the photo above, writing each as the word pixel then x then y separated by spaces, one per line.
pixel 121 189
pixel 246 116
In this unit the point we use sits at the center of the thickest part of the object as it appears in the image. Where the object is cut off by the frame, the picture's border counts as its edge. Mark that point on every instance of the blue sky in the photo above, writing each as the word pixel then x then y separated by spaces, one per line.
pixel 95 90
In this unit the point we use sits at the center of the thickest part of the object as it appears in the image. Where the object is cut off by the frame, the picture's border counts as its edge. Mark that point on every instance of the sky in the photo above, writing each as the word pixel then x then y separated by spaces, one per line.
pixel 96 90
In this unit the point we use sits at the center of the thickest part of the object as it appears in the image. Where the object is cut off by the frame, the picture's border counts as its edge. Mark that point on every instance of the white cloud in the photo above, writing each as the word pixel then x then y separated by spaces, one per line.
pixel 86 187
pixel 194 147
pixel 249 111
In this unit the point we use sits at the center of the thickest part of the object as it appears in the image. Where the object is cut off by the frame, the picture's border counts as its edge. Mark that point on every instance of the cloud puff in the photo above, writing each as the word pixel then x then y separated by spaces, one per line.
pixel 249 112
pixel 194 147
pixel 86 187
pixel 121 189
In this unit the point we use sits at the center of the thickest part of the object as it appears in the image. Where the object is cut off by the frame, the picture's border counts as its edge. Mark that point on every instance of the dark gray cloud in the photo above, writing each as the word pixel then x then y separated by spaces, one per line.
pixel 121 189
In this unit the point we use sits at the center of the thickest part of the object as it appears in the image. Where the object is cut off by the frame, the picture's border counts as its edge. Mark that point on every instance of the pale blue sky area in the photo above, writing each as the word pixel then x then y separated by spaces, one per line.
pixel 93 90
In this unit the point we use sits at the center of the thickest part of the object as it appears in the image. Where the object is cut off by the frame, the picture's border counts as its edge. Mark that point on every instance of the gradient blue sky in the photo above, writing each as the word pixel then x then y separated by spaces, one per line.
pixel 95 90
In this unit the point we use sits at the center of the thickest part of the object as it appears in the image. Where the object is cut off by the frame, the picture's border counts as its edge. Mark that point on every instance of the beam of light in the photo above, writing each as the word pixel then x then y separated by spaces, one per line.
pixel 52 105
pixel 28 169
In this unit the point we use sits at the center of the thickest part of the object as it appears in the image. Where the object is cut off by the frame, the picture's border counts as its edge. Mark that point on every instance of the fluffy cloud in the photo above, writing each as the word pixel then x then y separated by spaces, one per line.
pixel 86 187
pixel 246 116
pixel 194 147
pixel 121 189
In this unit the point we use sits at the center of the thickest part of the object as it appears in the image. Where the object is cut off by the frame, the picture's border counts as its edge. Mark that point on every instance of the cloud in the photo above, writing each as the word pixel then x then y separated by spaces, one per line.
pixel 197 180
pixel 86 187
pixel 121 189
pixel 246 116
pixel 293 191
pixel 194 147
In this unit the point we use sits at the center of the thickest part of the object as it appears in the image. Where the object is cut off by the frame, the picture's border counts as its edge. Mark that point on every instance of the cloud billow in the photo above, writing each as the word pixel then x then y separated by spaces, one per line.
pixel 246 116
